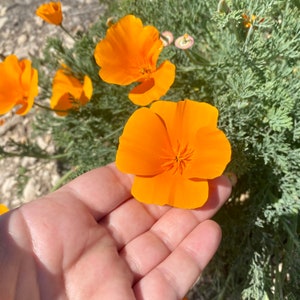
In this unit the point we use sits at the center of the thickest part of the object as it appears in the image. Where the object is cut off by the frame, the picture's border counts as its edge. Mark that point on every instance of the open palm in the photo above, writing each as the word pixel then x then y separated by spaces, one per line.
pixel 92 240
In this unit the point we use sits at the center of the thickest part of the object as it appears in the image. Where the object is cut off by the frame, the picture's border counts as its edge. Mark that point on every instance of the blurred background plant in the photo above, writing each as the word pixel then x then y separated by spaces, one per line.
pixel 245 60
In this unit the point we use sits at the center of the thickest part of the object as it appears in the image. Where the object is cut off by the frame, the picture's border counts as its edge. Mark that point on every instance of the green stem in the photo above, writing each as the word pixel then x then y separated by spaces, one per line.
pixel 112 133
pixel 196 58
pixel 48 108
pixel 63 179
pixel 67 32
pixel 4 153
pixel 222 293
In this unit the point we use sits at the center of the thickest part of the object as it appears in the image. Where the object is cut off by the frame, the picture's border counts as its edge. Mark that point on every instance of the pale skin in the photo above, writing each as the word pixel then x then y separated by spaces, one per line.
pixel 92 240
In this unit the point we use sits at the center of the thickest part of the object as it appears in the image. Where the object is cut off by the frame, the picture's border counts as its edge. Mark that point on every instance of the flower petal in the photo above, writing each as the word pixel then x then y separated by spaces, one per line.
pixel 3 209
pixel 68 92
pixel 212 154
pixel 143 148
pixel 10 88
pixel 50 12
pixel 167 189
pixel 29 80
pixel 184 118
pixel 18 85
pixel 64 82
pixel 126 50
pixel 155 87
pixel 87 88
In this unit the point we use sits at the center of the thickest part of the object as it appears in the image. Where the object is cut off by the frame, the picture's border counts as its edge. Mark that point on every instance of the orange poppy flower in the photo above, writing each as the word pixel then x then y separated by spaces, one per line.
pixel 68 92
pixel 18 85
pixel 3 209
pixel 128 54
pixel 249 21
pixel 173 149
pixel 50 12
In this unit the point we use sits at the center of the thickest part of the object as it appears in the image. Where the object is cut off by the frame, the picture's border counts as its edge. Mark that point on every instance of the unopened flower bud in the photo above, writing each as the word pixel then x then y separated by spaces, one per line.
pixel 184 42
pixel 167 38
pixel 110 21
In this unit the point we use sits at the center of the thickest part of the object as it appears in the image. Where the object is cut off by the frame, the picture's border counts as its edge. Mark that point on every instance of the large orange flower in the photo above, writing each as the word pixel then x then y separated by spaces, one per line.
pixel 50 12
pixel 18 85
pixel 173 149
pixel 68 92
pixel 128 54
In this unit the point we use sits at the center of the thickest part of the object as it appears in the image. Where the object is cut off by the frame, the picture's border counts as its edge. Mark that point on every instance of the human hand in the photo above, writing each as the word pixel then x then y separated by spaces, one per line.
pixel 92 240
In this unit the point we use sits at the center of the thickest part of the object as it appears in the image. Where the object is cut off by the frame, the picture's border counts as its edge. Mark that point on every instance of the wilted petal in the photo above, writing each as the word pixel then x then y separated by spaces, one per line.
pixel 184 42
pixel 167 38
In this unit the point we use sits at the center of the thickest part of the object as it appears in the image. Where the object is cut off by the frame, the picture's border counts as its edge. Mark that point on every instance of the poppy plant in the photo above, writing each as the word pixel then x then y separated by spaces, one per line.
pixel 129 53
pixel 68 92
pixel 50 12
pixel 18 85
pixel 173 149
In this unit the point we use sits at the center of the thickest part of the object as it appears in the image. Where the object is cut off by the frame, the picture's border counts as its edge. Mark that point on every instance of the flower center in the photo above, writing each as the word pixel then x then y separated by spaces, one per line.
pixel 145 71
pixel 180 161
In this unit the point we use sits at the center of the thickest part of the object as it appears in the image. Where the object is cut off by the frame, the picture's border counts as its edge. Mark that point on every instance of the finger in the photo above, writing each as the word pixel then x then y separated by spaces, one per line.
pixel 100 190
pixel 147 250
pixel 133 218
pixel 177 223
pixel 173 277
pixel 219 191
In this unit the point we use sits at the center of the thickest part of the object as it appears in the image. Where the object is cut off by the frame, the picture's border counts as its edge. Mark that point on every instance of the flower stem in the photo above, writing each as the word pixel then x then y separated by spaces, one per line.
pixel 112 133
pixel 64 178
pixel 48 108
pixel 67 32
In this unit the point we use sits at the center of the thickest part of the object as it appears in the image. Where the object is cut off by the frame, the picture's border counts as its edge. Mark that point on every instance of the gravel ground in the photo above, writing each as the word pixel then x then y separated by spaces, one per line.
pixel 23 33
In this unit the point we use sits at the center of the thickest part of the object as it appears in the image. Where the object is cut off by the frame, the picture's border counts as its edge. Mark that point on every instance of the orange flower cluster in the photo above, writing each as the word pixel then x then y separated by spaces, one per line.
pixel 50 12
pixel 68 92
pixel 173 149
pixel 128 54
pixel 18 85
